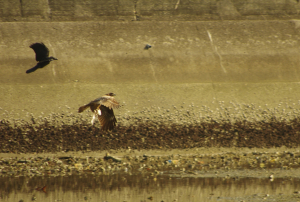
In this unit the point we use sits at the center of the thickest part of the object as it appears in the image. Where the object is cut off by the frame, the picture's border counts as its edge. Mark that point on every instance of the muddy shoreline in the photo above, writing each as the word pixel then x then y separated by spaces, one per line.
pixel 144 187
pixel 151 154
pixel 196 162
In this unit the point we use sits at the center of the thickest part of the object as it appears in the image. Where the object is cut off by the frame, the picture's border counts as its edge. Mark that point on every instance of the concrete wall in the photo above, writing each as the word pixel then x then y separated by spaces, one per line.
pixel 74 10
pixel 182 52
pixel 191 61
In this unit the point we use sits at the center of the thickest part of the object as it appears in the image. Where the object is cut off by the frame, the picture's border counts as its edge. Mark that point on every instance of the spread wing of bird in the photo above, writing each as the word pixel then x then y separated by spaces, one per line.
pixel 108 101
pixel 107 118
pixel 41 51
pixel 38 65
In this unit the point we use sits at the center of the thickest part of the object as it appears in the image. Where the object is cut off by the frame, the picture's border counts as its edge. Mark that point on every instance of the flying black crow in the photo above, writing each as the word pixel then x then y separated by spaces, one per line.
pixel 102 107
pixel 41 55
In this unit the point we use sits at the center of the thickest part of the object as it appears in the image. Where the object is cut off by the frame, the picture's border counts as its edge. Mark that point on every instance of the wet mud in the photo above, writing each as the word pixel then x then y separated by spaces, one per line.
pixel 144 187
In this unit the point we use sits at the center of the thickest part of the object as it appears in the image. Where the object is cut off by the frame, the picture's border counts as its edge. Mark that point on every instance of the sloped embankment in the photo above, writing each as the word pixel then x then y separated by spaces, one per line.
pixel 45 137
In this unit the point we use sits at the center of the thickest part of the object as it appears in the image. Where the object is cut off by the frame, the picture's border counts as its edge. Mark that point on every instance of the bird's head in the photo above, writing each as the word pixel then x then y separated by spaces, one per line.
pixel 52 58
pixel 111 94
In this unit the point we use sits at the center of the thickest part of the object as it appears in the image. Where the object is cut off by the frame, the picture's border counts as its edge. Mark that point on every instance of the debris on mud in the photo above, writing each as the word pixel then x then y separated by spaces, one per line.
pixel 193 164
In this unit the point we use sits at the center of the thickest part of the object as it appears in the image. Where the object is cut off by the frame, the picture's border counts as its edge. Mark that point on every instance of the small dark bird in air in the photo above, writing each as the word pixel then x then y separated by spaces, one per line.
pixel 41 56
pixel 147 46
pixel 102 107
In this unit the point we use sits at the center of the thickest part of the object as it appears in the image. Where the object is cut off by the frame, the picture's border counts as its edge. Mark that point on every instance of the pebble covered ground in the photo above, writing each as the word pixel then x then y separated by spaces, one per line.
pixel 156 143
pixel 45 137
pixel 192 164
pixel 184 127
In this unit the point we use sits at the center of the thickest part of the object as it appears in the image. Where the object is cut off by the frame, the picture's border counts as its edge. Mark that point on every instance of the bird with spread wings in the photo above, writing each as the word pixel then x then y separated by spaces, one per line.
pixel 102 107
pixel 41 56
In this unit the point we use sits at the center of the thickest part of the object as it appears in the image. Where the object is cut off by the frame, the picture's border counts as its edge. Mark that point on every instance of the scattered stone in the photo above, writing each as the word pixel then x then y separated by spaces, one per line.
pixel 107 157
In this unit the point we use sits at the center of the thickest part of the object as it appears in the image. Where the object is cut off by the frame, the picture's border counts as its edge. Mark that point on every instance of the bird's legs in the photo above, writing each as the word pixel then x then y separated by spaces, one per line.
pixel 93 119
pixel 98 111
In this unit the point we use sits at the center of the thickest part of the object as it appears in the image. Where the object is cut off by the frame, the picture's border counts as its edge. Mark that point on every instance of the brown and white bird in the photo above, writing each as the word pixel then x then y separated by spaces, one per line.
pixel 102 107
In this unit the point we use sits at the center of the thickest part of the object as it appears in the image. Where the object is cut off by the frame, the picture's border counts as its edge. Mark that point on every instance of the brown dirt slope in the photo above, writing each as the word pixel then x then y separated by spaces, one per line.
pixel 148 135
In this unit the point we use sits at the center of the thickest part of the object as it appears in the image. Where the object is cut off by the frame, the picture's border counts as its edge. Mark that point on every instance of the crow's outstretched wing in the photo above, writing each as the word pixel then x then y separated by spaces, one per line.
pixel 41 51
pixel 107 118
pixel 37 66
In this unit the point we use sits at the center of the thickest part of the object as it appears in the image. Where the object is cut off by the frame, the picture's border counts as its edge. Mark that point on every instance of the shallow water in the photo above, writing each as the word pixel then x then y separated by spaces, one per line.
pixel 146 188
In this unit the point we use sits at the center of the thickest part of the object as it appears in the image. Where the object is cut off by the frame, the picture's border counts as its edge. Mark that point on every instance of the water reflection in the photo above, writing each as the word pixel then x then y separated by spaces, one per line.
pixel 142 188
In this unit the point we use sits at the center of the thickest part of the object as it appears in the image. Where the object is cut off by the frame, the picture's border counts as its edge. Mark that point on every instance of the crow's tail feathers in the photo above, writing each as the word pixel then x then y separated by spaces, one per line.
pixel 38 65
pixel 32 69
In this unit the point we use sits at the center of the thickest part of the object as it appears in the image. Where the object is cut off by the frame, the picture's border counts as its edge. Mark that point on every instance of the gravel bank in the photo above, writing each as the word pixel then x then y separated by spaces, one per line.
pixel 197 162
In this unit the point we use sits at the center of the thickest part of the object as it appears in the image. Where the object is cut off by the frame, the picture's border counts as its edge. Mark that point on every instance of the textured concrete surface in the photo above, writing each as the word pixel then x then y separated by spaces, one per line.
pixel 240 61
pixel 182 52
pixel 77 10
